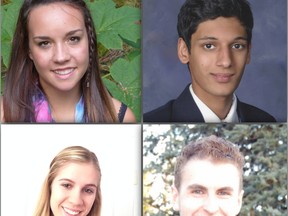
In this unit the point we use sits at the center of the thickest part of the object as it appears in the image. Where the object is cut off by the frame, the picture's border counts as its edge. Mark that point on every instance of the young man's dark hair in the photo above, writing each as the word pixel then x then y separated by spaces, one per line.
pixel 215 42
pixel 194 12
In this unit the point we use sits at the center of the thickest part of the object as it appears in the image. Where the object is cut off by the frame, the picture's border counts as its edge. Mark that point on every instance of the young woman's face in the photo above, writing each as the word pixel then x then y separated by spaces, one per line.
pixel 58 46
pixel 74 189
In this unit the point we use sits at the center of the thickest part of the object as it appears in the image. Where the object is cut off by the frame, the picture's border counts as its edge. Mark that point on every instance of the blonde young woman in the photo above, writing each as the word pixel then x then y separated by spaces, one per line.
pixel 72 186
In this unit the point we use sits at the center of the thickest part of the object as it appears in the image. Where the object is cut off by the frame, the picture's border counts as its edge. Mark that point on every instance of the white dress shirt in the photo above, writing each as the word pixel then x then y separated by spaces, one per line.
pixel 209 116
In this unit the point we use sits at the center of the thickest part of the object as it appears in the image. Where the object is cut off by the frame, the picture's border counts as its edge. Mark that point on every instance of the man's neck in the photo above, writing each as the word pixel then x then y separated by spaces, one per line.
pixel 220 105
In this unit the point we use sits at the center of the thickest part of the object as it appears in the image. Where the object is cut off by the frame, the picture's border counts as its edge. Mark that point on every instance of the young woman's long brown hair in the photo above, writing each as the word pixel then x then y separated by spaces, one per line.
pixel 22 77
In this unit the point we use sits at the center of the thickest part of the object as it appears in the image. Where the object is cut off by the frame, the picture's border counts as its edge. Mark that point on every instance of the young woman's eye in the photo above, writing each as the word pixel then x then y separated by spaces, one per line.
pixel 89 191
pixel 74 39
pixel 67 185
pixel 43 43
pixel 209 46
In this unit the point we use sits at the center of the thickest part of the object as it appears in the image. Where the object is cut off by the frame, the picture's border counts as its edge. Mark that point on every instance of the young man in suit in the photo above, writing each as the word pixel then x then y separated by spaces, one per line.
pixel 209 178
pixel 215 43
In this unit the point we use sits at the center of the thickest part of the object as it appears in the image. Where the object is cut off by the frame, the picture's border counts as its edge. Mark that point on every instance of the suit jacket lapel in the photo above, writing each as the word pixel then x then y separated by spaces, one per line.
pixel 185 109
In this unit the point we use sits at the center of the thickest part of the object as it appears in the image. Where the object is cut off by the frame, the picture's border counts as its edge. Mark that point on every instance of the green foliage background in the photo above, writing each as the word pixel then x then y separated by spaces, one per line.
pixel 118 34
pixel 265 173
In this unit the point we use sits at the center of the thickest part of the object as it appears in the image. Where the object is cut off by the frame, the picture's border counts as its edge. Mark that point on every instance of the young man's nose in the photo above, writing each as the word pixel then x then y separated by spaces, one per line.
pixel 224 58
pixel 61 53
pixel 211 205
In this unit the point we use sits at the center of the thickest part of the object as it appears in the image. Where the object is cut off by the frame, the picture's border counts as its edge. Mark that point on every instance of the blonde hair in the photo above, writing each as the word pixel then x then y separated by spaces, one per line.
pixel 70 154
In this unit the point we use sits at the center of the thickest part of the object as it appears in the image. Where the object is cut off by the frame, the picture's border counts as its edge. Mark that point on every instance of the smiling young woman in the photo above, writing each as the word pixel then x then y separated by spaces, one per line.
pixel 54 75
pixel 72 186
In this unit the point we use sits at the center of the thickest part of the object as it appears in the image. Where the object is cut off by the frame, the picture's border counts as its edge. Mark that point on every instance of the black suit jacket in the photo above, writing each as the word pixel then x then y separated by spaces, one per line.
pixel 184 109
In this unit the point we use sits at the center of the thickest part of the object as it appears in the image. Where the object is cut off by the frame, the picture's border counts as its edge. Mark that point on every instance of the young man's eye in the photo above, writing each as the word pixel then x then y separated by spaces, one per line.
pixel 224 193
pixel 209 46
pixel 238 46
pixel 197 192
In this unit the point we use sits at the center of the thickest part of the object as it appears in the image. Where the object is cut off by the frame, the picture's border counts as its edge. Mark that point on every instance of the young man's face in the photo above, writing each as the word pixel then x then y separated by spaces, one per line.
pixel 208 188
pixel 218 55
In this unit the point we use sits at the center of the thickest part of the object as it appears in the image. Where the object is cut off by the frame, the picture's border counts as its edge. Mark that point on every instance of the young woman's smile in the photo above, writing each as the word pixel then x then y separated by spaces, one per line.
pixel 74 189
pixel 58 46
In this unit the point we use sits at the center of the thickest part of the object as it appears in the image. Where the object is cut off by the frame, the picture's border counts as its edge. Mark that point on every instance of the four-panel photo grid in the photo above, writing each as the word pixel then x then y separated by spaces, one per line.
pixel 144 108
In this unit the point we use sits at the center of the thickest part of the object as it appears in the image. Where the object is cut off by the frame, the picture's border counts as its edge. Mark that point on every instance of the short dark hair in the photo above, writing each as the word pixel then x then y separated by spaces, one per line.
pixel 210 148
pixel 194 12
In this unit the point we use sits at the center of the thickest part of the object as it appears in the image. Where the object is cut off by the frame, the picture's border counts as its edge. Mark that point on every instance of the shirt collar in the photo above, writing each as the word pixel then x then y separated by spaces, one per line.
pixel 209 116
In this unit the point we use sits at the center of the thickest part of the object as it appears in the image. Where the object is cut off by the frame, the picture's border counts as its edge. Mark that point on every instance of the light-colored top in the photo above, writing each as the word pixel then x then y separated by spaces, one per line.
pixel 43 110
pixel 209 116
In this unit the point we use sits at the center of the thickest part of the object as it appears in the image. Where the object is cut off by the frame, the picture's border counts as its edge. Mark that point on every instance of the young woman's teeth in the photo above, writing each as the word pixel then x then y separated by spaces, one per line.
pixel 63 72
pixel 71 212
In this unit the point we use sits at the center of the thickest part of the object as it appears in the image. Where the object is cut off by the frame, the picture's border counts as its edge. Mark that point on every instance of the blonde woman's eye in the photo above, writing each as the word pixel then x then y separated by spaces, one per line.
pixel 66 185
pixel 89 191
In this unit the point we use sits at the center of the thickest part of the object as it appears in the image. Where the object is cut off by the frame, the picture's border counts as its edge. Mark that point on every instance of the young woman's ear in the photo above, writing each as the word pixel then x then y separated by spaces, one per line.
pixel 30 55
pixel 183 52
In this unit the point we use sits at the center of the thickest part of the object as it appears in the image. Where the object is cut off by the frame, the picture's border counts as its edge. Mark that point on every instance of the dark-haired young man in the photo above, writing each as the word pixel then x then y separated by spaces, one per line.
pixel 215 43
pixel 209 178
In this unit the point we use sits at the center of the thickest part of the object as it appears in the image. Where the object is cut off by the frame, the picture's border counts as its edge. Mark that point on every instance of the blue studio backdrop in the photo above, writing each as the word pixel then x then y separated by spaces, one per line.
pixel 264 83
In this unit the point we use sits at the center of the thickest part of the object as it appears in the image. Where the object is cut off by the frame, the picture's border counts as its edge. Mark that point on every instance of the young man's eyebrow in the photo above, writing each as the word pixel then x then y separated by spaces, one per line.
pixel 196 186
pixel 67 34
pixel 241 38
pixel 214 38
pixel 225 189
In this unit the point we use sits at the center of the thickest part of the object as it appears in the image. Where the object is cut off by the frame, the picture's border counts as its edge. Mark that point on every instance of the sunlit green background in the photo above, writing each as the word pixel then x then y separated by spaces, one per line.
pixel 118 33
pixel 265 172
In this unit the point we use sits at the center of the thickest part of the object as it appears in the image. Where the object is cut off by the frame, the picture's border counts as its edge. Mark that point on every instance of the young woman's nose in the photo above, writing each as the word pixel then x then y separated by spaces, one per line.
pixel 75 197
pixel 61 53
pixel 224 58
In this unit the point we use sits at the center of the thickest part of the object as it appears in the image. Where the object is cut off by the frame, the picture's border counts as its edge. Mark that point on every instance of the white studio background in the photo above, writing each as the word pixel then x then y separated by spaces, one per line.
pixel 27 150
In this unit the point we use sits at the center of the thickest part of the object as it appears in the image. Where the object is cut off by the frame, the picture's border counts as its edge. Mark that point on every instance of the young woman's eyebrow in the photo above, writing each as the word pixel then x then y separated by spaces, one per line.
pixel 91 185
pixel 74 31
pixel 67 34
pixel 69 180
pixel 65 179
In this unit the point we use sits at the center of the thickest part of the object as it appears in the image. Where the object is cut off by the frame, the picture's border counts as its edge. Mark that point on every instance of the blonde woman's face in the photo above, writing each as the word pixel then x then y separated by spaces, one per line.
pixel 58 46
pixel 74 189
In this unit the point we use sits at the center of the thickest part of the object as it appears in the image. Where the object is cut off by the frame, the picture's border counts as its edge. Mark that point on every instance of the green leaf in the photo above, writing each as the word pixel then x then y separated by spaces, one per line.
pixel 8 24
pixel 113 23
pixel 8 17
pixel 127 86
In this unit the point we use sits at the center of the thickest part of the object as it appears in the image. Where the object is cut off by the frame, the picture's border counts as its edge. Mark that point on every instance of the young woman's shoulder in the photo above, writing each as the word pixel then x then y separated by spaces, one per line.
pixel 1 109
pixel 129 116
